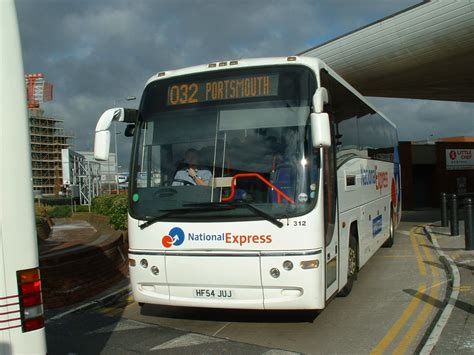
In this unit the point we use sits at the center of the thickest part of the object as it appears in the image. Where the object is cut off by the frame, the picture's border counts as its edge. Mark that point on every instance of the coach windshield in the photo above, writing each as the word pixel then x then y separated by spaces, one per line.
pixel 211 143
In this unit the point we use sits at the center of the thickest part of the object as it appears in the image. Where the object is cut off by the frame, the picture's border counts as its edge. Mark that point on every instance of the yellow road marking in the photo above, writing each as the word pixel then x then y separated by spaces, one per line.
pixel 412 306
pixel 427 308
pixel 462 288
pixel 118 308
pixel 419 322
pixel 395 329
pixel 414 243
pixel 116 312
pixel 429 256
pixel 106 310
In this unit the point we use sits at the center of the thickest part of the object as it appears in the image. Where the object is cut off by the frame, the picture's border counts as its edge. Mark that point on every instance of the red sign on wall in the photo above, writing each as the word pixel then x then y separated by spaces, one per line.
pixel 459 159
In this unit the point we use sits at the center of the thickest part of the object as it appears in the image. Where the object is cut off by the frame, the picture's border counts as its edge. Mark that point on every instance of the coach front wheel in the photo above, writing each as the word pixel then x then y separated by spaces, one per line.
pixel 352 267
pixel 391 230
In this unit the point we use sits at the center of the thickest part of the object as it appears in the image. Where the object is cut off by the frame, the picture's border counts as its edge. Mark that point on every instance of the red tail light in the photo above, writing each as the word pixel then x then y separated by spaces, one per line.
pixel 32 300
pixel 33 324
pixel 31 287
pixel 31 303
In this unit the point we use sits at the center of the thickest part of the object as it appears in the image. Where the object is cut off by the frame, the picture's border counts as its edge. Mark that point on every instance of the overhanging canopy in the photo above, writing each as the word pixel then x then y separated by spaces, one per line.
pixel 423 52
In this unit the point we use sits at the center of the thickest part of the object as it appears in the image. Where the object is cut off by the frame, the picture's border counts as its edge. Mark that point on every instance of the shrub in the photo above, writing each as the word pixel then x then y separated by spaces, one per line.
pixel 118 212
pixel 114 207
pixel 40 211
pixel 39 221
pixel 102 204
pixel 82 208
pixel 59 211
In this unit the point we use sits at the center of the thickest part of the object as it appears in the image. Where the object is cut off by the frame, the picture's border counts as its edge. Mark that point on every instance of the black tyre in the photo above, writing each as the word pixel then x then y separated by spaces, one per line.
pixel 391 230
pixel 352 266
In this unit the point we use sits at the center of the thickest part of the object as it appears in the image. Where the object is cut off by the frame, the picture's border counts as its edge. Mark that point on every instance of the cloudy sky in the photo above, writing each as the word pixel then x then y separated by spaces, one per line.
pixel 96 53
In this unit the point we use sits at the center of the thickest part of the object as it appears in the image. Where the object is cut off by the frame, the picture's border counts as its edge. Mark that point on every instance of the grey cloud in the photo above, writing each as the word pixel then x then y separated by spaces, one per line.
pixel 420 119
pixel 96 53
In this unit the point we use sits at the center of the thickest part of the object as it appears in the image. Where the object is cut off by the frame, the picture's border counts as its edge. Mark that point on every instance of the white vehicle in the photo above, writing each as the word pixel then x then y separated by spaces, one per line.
pixel 21 309
pixel 304 187
pixel 122 179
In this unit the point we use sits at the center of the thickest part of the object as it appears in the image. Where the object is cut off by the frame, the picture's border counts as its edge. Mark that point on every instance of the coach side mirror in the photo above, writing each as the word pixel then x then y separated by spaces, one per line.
pixel 320 98
pixel 320 130
pixel 102 145
pixel 102 133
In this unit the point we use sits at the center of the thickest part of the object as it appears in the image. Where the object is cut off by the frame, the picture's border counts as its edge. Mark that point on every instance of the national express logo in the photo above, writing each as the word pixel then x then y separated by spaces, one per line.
pixel 175 237
pixel 374 177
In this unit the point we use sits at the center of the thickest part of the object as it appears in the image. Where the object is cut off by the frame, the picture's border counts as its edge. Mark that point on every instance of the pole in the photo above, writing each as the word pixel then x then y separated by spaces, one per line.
pixel 454 216
pixel 444 210
pixel 116 157
pixel 468 224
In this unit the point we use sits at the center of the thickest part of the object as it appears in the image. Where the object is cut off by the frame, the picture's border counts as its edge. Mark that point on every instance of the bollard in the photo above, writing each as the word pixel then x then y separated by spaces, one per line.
pixel 454 215
pixel 444 210
pixel 468 221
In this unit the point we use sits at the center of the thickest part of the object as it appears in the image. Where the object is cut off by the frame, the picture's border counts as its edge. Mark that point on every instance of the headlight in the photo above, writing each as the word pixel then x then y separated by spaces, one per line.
pixel 287 265
pixel 275 273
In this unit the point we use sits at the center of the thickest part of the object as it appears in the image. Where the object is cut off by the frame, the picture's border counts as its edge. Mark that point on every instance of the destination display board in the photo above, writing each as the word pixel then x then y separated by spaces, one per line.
pixel 229 88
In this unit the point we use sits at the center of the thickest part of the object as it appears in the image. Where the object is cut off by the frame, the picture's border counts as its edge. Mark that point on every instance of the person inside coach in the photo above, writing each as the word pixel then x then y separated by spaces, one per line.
pixel 190 171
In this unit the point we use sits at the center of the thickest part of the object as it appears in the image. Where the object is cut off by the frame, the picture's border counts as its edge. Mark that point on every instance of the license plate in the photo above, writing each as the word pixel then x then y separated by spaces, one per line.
pixel 213 293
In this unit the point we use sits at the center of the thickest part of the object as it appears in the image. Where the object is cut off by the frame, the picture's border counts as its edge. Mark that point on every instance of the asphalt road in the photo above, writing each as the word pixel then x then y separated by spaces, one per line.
pixel 393 304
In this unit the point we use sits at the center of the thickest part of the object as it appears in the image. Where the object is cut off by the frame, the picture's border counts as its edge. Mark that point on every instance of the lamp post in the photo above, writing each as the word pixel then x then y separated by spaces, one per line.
pixel 116 156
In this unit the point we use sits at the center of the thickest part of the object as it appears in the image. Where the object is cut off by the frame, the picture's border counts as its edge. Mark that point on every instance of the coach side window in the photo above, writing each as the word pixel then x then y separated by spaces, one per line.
pixel 346 108
pixel 359 130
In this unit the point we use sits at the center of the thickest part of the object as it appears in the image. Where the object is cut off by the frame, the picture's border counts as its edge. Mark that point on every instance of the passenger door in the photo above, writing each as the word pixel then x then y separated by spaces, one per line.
pixel 330 222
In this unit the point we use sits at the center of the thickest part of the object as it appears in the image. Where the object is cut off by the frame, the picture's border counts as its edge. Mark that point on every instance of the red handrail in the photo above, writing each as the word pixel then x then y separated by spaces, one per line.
pixel 280 193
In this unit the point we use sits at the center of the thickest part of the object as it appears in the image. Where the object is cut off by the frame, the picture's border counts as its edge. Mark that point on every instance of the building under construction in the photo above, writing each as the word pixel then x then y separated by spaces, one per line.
pixel 47 138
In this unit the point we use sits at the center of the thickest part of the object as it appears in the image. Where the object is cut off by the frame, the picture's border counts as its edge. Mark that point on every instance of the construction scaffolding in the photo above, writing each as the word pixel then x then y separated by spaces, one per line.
pixel 80 177
pixel 47 140
pixel 37 90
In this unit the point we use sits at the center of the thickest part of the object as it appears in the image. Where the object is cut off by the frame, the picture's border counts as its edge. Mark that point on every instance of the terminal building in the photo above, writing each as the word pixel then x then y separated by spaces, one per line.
pixel 434 166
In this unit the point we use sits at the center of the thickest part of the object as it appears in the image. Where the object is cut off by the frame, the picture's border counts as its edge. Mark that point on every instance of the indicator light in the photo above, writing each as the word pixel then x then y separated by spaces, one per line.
pixel 132 262
pixel 144 263
pixel 155 270
pixel 212 65
pixel 309 264
pixel 291 59
pixel 29 275
pixel 234 62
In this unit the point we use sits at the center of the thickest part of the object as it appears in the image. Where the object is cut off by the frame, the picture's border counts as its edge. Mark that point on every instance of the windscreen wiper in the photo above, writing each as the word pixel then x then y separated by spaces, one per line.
pixel 238 204
pixel 167 213
pixel 189 209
